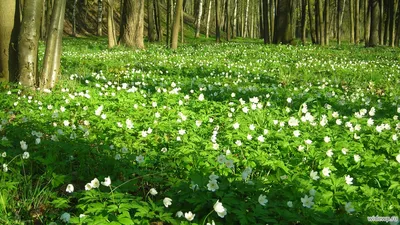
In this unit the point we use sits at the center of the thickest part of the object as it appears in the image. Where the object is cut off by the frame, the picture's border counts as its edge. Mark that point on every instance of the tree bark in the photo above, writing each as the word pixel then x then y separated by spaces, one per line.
pixel 326 22
pixel 168 22
pixel 246 22
pixel 392 22
pixel 9 27
pixel 198 22
pixel 52 57
pixel 374 30
pixel 357 22
pixel 228 21
pixel 267 39
pixel 208 18
pixel 74 18
pixel 133 24
pixel 112 37
pixel 367 21
pixel 283 33
pixel 158 20
pixel 312 30
pixel 217 31
pixel 303 21
pixel 351 16
pixel 28 43
pixel 175 27
pixel 150 20
pixel 339 24
pixel 100 17
pixel 234 30
pixel 381 22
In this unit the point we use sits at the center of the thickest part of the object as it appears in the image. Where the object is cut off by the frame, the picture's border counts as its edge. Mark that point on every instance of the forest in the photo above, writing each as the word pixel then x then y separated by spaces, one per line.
pixel 205 112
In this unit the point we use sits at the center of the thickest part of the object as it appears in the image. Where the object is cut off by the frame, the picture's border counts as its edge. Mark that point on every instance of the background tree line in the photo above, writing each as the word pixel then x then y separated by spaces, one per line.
pixel 129 22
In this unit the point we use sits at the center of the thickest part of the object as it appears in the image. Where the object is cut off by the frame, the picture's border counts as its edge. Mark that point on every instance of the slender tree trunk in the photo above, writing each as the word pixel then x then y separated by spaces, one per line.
pixel 52 57
pixel 228 21
pixel 351 16
pixel 198 24
pixel 252 21
pixel 387 18
pixel 168 22
pixel 150 20
pixel 112 37
pixel 303 21
pixel 28 43
pixel 246 19
pixel 326 22
pixel 272 14
pixel 158 20
pixel 99 17
pixel 217 32
pixel 208 18
pixel 234 30
pixel 182 27
pixel 74 18
pixel 392 23
pixel 43 22
pixel 9 27
pixel 374 30
pixel 267 39
pixel 312 31
pixel 175 27
pixel 357 22
pixel 381 22
pixel 367 21
pixel 397 36
pixel 339 24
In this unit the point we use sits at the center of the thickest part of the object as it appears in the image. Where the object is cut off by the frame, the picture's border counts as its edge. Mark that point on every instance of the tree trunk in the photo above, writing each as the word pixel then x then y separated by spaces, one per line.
pixel 267 39
pixel 381 22
pixel 208 18
pixel 303 21
pixel 397 36
pixel 234 30
pixel 351 16
pixel 9 27
pixel 217 32
pixel 283 33
pixel 228 21
pixel 182 27
pixel 150 20
pixel 374 30
pixel 133 24
pixel 326 22
pixel 100 18
pixel 28 43
pixel 312 31
pixel 246 19
pixel 198 24
pixel 168 22
pixel 357 22
pixel 51 61
pixel 367 21
pixel 112 37
pixel 175 27
pixel 272 14
pixel 158 20
pixel 74 18
pixel 392 22
pixel 339 24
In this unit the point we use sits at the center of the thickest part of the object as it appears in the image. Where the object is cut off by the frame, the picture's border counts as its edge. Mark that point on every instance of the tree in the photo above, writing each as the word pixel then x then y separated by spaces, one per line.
pixel 374 30
pixel 28 41
pixel 100 17
pixel 283 33
pixel 150 20
pixel 132 24
pixel 217 31
pixel 112 37
pixel 228 21
pixel 357 22
pixel 9 27
pixel 175 27
pixel 198 21
pixel 267 39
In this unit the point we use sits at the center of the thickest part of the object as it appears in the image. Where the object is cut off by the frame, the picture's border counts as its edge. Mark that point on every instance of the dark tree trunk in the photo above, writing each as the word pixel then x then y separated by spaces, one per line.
pixel 112 37
pixel 310 16
pixel 357 22
pixel 168 22
pixel 374 30
pixel 267 39
pixel 150 20
pixel 228 21
pixel 133 24
pixel 99 17
pixel 28 43
pixel 326 22
pixel 339 25
pixel 283 33
pixel 303 21
pixel 217 31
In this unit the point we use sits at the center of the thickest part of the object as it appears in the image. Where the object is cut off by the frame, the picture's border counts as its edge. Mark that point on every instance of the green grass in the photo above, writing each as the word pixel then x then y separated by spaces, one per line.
pixel 169 120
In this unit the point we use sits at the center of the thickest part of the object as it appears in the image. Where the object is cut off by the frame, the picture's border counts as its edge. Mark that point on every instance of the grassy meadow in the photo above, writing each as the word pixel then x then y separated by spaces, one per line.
pixel 230 133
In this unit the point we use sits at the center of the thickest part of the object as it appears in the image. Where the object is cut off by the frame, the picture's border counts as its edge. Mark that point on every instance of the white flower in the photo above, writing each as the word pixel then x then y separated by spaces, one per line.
pixel 98 110
pixel 394 137
pixel 327 139
pixel 312 192
pixel 167 202
pixel 300 148
pixel 236 126
pixel 349 208
pixel 103 116
pixel 107 182
pixel 314 175
pixel 326 171
pixel 25 155
pixel 212 185
pixel 370 122
pixel 290 204
pixel 179 214
pixel 189 216
pixel 296 133
pixel 238 142
pixel 252 127
pixel 153 191
pixel 293 122
pixel 262 199
pixel 129 124
pixel 182 132
pixel 308 142
pixel 213 177
pixel 349 180
pixel 65 217
pixel 70 188
pixel 212 223
pixel 289 100
pixel 344 151
pixel 198 123
pixel 201 97
pixel 24 146
pixel 307 201
pixel 140 159
pixel 4 154
pixel 329 153
pixel 88 187
pixel 398 158
pixel 357 158
pixel 261 138
pixel 230 165
pixel 5 167
pixel 95 183
pixel 245 109
pixel 220 209
pixel 249 137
